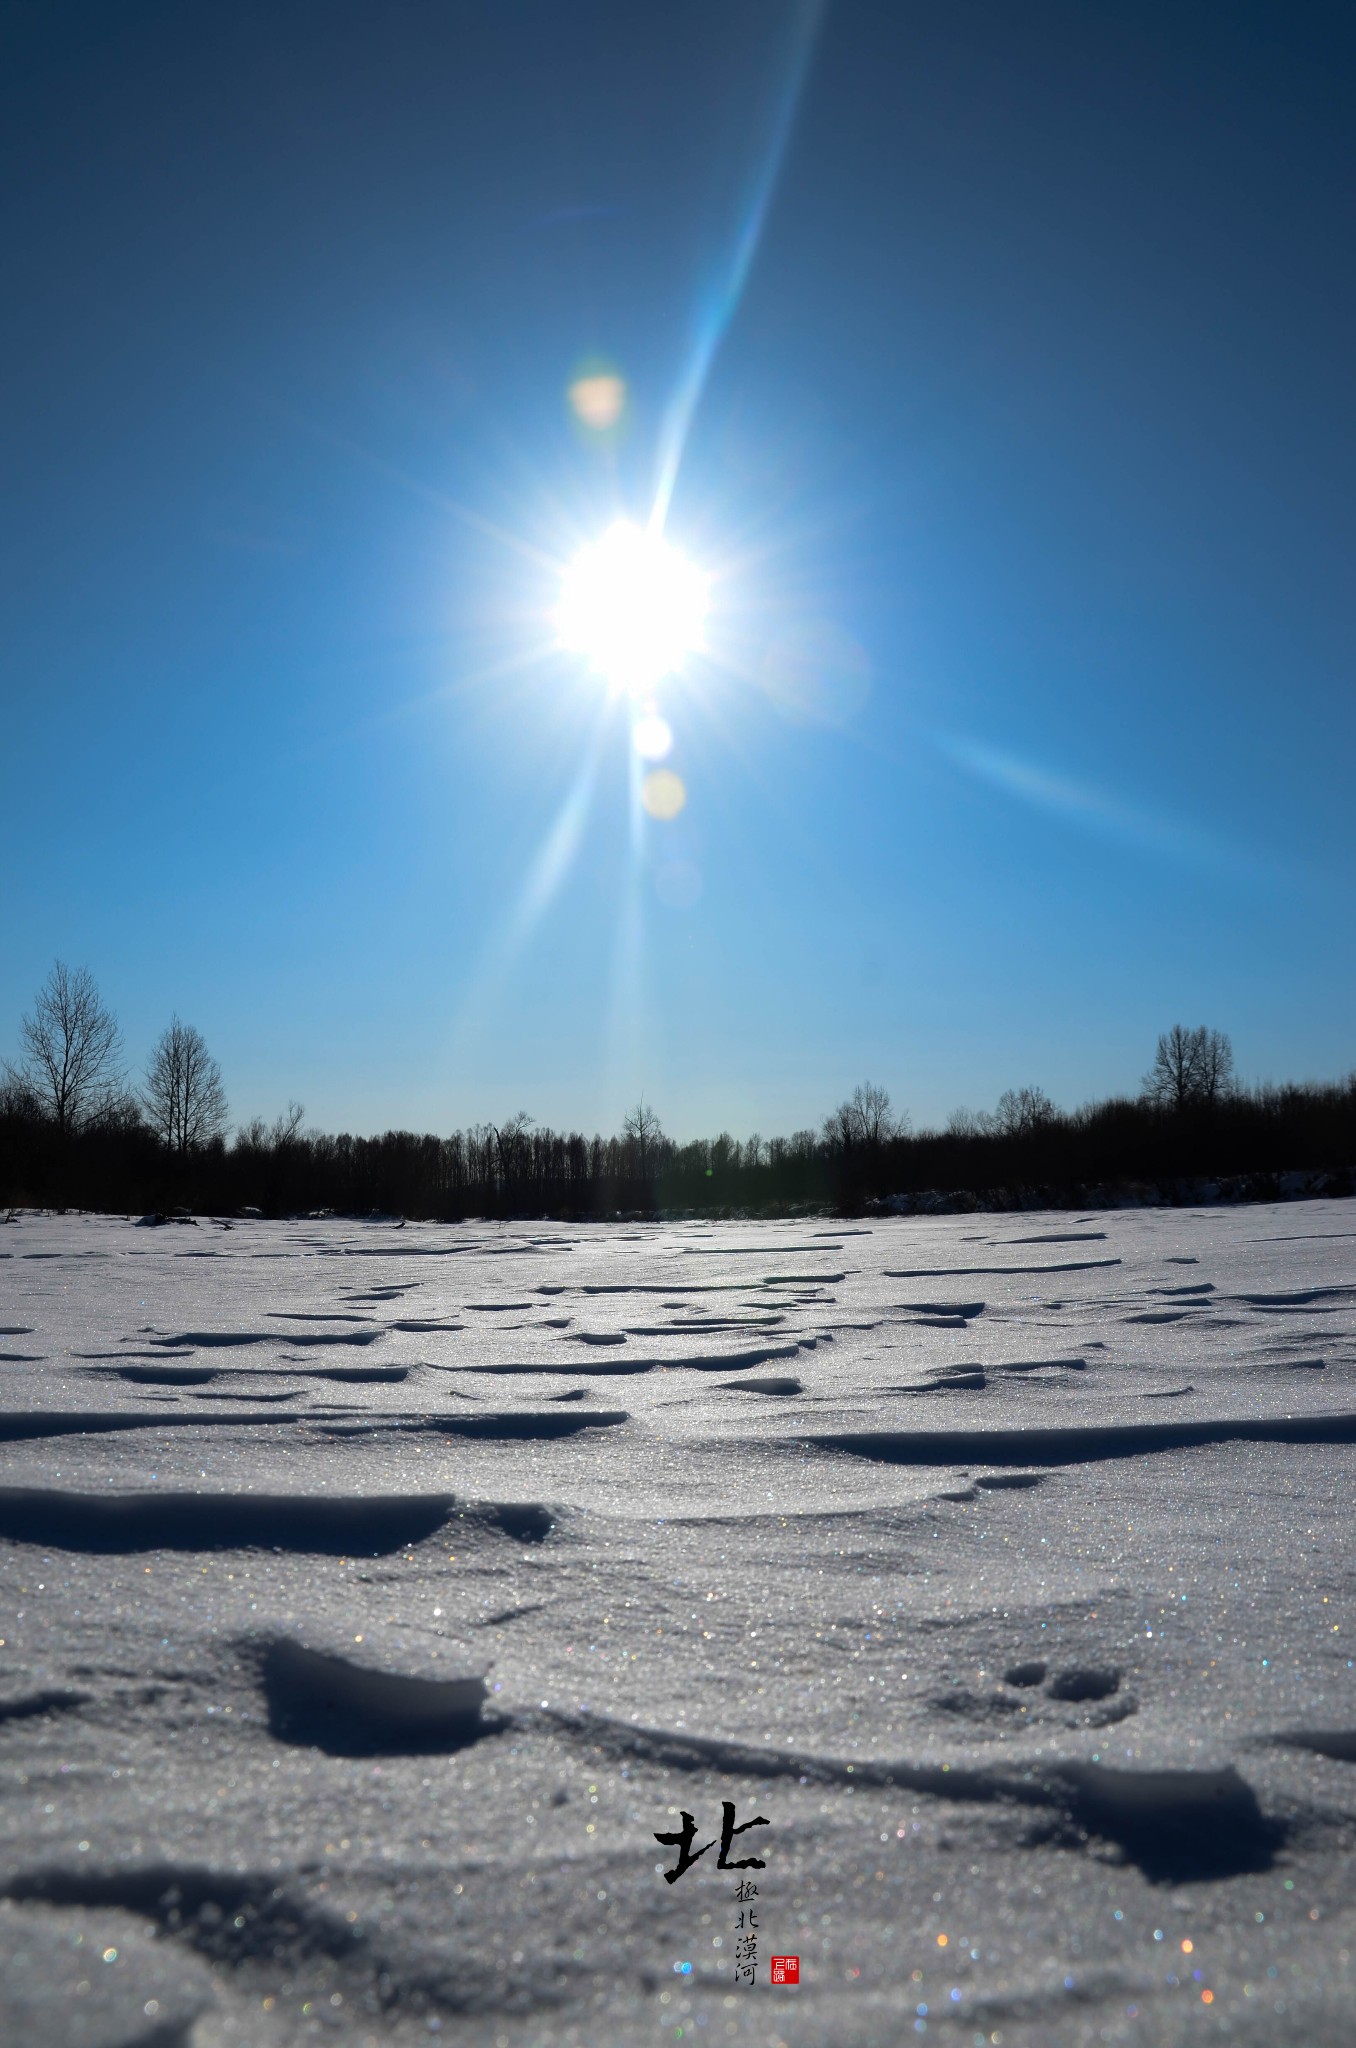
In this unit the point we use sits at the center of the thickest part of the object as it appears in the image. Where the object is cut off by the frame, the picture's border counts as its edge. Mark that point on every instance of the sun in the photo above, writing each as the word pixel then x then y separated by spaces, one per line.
pixel 634 607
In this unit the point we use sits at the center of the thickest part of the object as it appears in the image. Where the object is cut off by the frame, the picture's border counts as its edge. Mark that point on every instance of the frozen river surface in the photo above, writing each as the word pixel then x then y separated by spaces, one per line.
pixel 373 1596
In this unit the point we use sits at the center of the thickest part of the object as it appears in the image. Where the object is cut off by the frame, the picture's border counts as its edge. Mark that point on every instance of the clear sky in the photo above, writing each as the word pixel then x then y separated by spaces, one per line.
pixel 995 365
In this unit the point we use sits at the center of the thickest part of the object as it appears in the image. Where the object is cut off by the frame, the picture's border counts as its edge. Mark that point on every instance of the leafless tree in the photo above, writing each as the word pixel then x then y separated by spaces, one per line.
pixel 1190 1068
pixel 287 1126
pixel 17 1098
pixel 1215 1067
pixel 512 1143
pixel 1021 1112
pixel 1170 1080
pixel 866 1119
pixel 184 1100
pixel 72 1058
pixel 257 1136
pixel 643 1128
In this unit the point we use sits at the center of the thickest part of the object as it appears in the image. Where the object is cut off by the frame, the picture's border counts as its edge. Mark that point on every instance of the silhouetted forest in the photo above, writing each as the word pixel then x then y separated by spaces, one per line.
pixel 1108 1151
pixel 75 1134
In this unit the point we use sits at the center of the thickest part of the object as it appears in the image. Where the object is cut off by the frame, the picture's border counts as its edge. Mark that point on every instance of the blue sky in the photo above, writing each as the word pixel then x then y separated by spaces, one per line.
pixel 1025 424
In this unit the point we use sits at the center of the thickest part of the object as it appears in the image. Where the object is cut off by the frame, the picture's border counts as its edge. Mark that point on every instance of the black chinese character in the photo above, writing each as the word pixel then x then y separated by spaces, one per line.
pixel 687 1856
pixel 729 1831
pixel 683 1844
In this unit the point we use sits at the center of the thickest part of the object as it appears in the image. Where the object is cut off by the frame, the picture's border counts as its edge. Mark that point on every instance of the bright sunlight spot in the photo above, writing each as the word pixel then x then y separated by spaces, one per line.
pixel 652 737
pixel 634 607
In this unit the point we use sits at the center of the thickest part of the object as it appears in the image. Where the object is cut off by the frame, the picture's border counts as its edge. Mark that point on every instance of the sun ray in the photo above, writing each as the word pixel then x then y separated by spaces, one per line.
pixel 1096 811
pixel 624 1035
pixel 542 883
pixel 715 318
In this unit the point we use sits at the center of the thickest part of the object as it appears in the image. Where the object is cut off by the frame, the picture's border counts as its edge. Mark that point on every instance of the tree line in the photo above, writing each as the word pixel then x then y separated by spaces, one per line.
pixel 76 1130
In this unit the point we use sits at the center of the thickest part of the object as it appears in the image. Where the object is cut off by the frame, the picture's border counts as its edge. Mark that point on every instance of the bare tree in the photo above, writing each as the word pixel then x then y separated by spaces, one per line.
pixel 1021 1112
pixel 17 1098
pixel 1190 1068
pixel 876 1120
pixel 512 1142
pixel 183 1097
pixel 643 1128
pixel 72 1059
pixel 1215 1065
pixel 866 1119
pixel 840 1130
pixel 287 1126
pixel 1170 1080
pixel 283 1132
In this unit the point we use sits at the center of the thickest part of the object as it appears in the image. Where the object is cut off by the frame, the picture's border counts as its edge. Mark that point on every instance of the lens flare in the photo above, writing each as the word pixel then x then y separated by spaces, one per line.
pixel 634 607
pixel 652 737
pixel 598 399
pixel 663 793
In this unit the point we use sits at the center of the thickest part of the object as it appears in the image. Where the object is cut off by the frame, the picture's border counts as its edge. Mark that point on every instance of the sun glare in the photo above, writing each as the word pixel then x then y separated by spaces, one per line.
pixel 633 607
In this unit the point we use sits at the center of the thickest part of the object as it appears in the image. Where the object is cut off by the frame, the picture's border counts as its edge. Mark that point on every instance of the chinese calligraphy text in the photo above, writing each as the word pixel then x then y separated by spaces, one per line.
pixel 746 1934
pixel 687 1855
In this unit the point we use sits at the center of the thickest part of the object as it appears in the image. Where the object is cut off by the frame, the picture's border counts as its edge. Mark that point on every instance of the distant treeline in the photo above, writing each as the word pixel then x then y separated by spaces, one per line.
pixel 1097 1154
pixel 74 1133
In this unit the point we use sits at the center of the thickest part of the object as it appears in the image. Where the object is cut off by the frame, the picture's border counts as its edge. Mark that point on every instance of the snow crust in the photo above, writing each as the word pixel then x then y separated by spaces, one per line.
pixel 373 1595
